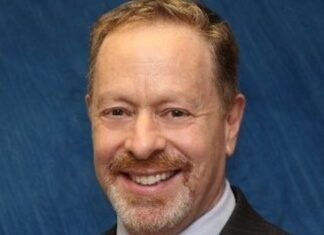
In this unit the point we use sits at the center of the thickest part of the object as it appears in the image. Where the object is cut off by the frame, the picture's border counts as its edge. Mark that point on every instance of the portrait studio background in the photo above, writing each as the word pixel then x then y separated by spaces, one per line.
pixel 47 181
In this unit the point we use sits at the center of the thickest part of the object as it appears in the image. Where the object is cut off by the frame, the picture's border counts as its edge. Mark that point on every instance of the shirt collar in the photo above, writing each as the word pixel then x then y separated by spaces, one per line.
pixel 214 220
pixel 211 222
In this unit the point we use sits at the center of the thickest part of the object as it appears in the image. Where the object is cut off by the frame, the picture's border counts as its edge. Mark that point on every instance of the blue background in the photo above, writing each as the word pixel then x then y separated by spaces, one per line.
pixel 47 182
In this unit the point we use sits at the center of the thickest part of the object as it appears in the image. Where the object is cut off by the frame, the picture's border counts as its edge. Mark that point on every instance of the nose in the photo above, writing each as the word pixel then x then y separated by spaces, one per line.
pixel 145 138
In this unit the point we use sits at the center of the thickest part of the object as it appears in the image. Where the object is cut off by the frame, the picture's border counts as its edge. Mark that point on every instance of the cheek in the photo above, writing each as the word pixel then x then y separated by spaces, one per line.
pixel 105 145
pixel 200 144
pixel 206 150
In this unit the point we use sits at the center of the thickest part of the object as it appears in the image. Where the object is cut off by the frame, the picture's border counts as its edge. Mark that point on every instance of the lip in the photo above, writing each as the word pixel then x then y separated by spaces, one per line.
pixel 166 186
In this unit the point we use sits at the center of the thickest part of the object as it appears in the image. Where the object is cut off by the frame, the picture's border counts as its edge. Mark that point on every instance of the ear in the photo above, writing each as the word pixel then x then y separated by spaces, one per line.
pixel 233 121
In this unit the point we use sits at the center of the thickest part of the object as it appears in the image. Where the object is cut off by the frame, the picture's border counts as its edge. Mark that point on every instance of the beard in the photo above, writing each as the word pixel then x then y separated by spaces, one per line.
pixel 146 215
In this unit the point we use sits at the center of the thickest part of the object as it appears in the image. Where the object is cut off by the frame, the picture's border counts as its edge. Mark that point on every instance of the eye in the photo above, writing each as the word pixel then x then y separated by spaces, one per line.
pixel 115 112
pixel 176 113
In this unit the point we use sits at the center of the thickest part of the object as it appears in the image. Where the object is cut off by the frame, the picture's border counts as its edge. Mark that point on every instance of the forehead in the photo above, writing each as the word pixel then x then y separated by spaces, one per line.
pixel 145 42
pixel 165 53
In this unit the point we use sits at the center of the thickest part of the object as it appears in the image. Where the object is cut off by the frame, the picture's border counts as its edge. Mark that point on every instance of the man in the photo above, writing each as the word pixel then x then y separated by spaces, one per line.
pixel 165 112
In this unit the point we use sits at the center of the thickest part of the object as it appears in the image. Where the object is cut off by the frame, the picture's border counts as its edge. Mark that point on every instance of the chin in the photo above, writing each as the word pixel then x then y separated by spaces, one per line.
pixel 150 214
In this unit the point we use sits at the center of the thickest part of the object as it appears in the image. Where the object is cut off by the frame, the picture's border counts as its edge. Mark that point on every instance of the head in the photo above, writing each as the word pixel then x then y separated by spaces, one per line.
pixel 165 111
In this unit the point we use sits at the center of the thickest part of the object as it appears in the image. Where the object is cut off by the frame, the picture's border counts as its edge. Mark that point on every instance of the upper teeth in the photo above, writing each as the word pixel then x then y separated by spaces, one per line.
pixel 151 179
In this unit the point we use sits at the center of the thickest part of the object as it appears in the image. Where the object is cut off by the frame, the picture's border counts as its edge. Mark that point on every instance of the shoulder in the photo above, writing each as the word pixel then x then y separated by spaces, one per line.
pixel 246 221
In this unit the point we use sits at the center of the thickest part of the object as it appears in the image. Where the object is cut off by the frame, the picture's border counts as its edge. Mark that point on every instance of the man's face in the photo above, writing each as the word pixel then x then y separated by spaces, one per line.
pixel 160 138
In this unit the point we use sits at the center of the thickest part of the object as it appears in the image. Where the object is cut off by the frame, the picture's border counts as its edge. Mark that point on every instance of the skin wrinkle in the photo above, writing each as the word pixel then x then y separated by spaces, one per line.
pixel 200 110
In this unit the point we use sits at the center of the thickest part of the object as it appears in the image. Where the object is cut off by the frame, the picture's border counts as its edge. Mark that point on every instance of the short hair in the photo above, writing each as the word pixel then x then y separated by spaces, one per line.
pixel 192 13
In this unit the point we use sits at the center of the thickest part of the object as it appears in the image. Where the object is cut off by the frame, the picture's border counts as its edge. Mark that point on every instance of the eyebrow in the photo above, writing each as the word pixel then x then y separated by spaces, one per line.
pixel 108 97
pixel 169 97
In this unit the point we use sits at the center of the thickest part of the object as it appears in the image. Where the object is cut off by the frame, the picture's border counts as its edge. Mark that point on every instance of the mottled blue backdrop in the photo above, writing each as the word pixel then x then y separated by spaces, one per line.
pixel 47 182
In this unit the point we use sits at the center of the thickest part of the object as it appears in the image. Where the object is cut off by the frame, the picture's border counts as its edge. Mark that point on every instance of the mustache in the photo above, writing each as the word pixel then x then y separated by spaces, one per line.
pixel 161 161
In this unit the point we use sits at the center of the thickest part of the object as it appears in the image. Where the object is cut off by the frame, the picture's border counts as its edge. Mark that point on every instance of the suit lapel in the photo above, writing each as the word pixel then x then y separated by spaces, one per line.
pixel 246 221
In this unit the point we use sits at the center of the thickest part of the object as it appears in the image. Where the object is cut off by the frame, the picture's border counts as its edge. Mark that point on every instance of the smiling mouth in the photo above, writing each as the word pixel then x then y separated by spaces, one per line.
pixel 152 179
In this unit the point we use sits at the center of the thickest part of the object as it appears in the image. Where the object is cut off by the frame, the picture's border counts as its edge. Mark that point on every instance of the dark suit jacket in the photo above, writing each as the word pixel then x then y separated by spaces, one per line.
pixel 243 221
